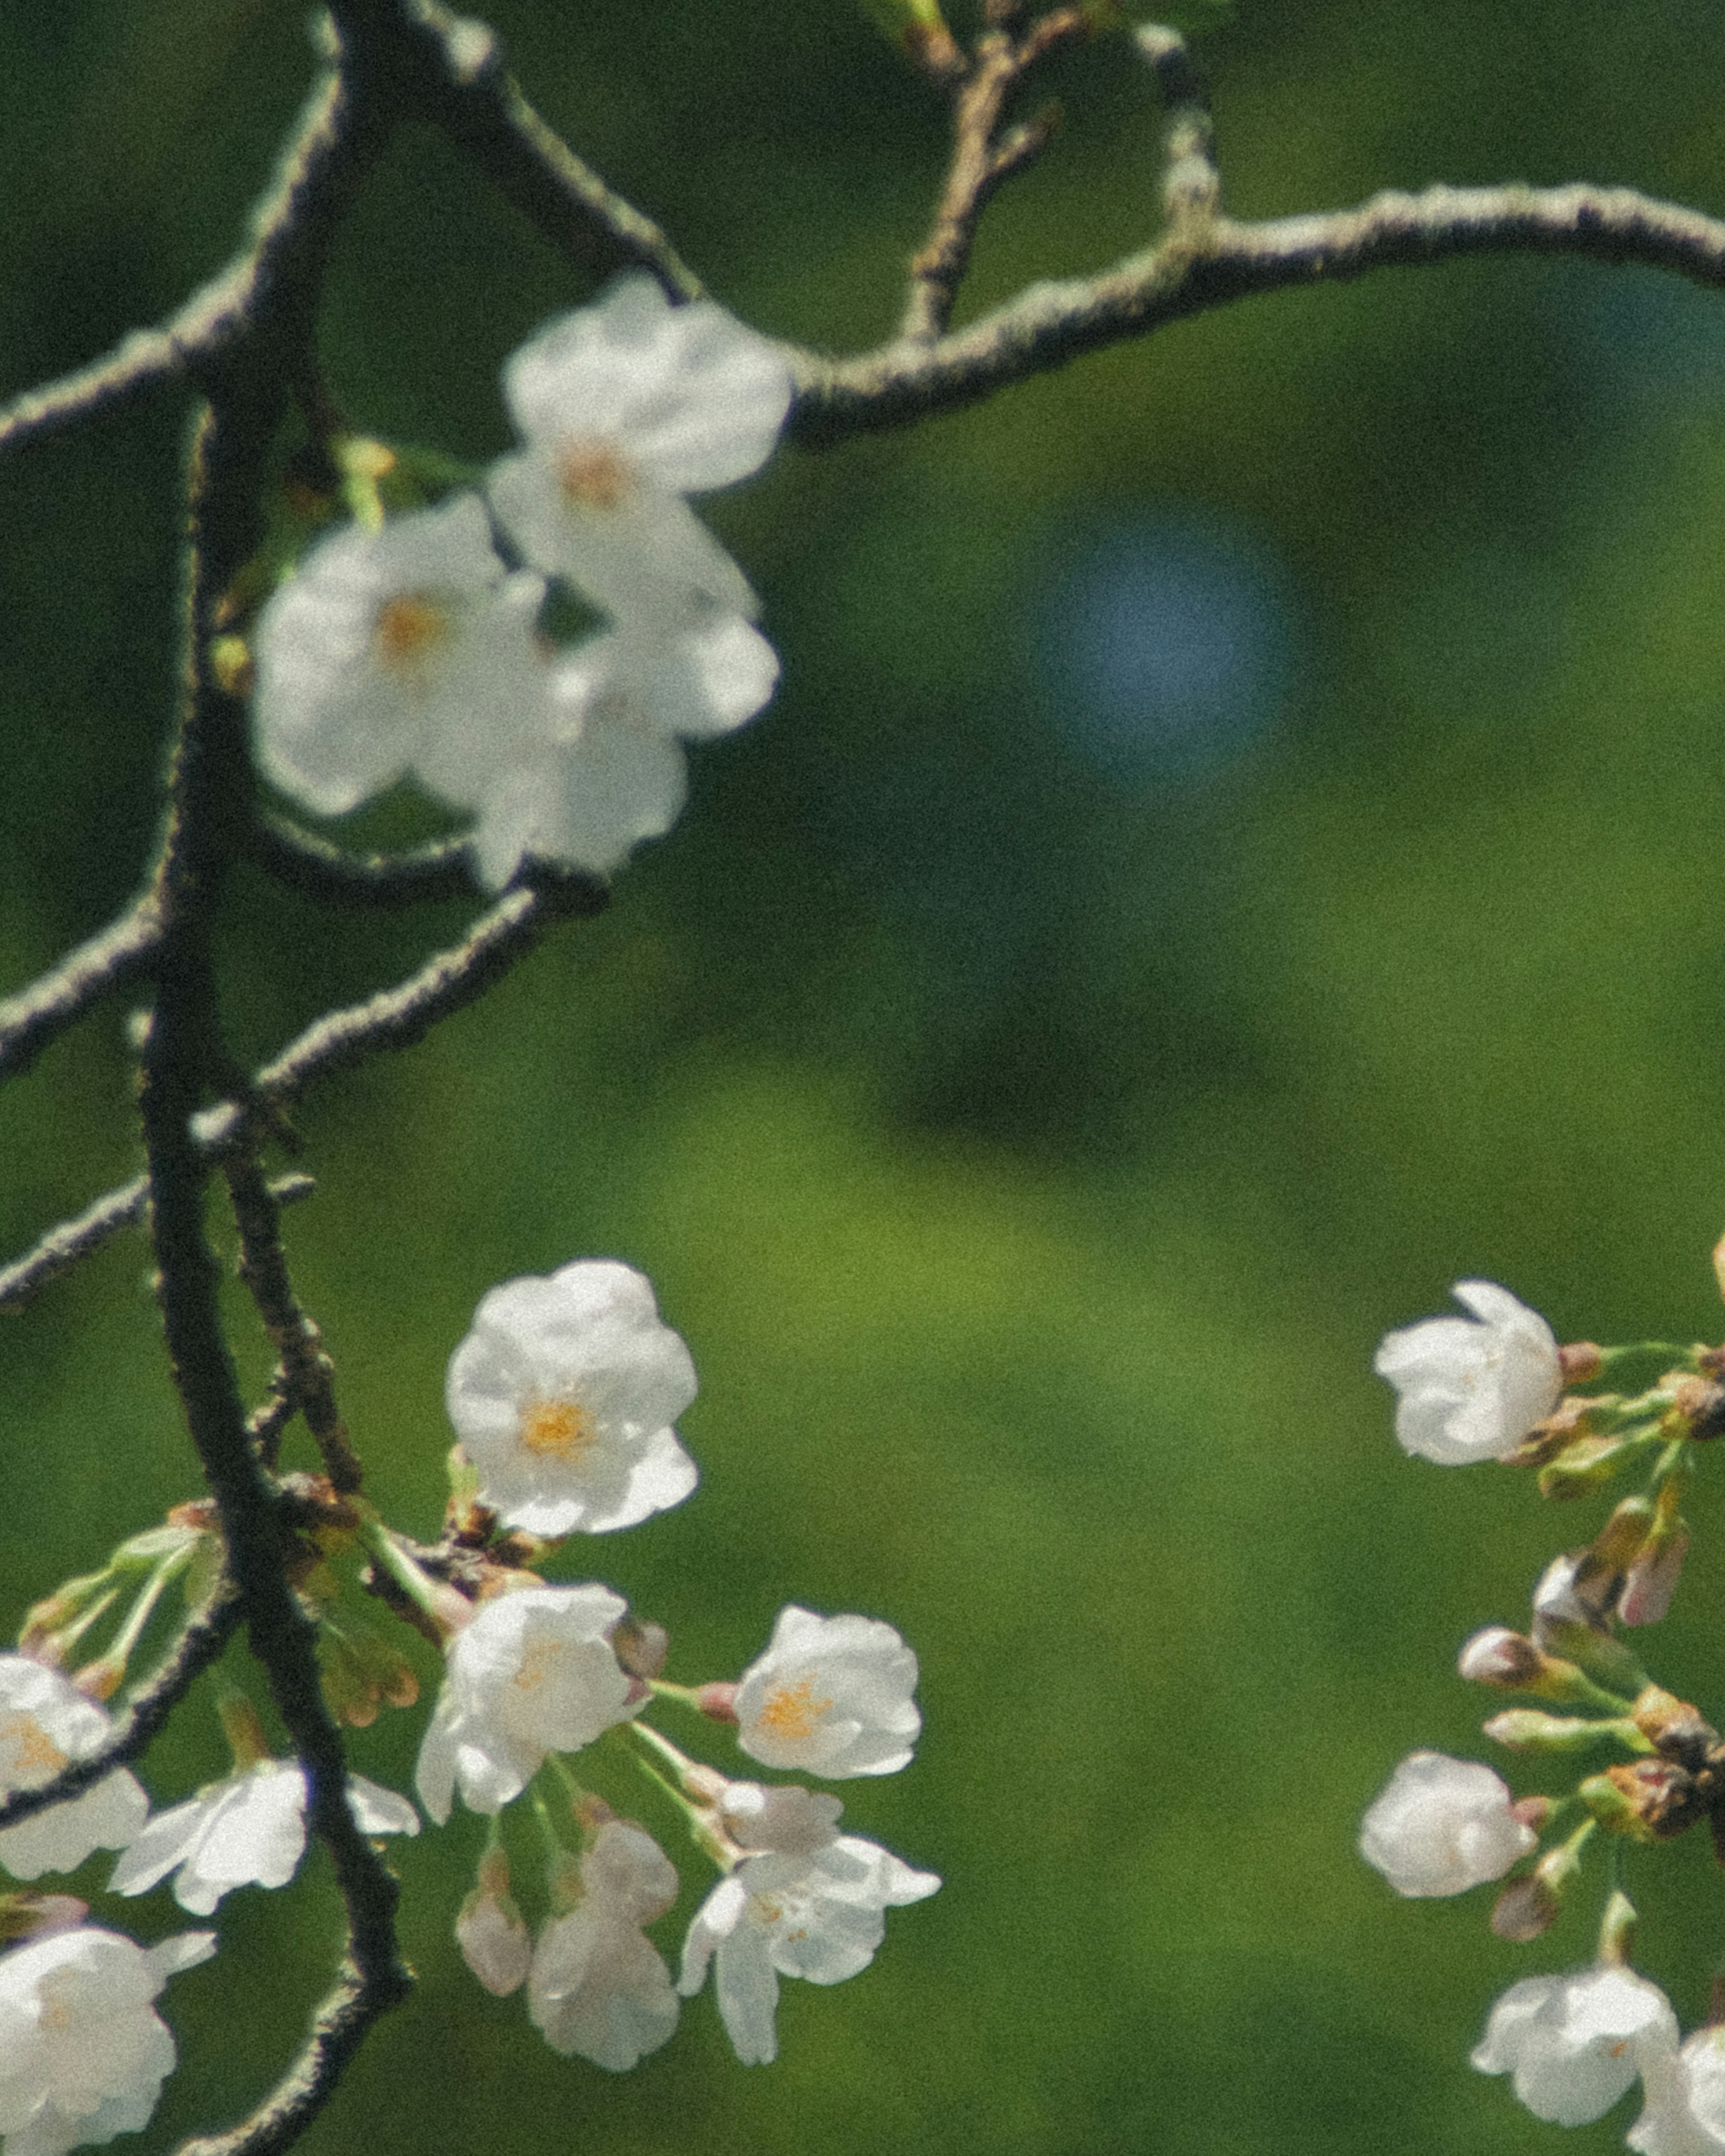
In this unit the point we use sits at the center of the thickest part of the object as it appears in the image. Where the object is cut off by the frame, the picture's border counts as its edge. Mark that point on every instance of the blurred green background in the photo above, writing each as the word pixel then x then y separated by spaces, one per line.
pixel 1238 845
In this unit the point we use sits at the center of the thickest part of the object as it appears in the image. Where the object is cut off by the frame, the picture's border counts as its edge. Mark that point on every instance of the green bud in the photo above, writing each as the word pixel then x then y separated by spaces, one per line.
pixel 1527 1729
pixel 918 29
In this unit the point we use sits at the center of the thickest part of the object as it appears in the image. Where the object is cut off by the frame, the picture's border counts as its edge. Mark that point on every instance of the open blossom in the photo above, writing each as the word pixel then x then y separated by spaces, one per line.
pixel 1685 2110
pixel 46 1724
pixel 626 407
pixel 532 1673
pixel 408 649
pixel 82 2053
pixel 1471 1391
pixel 598 1987
pixel 601 768
pixel 831 1696
pixel 564 1394
pixel 1573 2043
pixel 1440 1826
pixel 247 1830
pixel 814 1912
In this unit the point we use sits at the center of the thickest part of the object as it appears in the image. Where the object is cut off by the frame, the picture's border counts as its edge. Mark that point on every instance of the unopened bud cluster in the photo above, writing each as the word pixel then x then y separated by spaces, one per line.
pixel 1496 1386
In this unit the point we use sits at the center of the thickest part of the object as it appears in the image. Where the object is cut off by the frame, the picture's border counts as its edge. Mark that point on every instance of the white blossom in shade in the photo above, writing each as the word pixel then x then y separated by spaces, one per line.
pixel 832 1696
pixel 1471 1390
pixel 563 1395
pixel 1440 1826
pixel 820 1917
pixel 601 768
pixel 1572 2044
pixel 405 650
pixel 82 2053
pixel 533 1673
pixel 598 1987
pixel 792 1822
pixel 248 1830
pixel 46 1725
pixel 626 407
pixel 1685 2110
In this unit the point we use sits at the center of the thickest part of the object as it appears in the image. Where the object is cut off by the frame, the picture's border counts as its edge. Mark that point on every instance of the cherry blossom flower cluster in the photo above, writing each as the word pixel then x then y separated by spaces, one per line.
pixel 564 1398
pixel 415 646
pixel 1496 1385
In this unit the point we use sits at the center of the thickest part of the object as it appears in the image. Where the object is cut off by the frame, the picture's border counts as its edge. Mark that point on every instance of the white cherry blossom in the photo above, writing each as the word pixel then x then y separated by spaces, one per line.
pixel 598 1987
pixel 831 1696
pixel 626 407
pixel 533 1673
pixel 1573 2043
pixel 407 649
pixel 1440 1826
pixel 246 1829
pixel 47 1724
pixel 1472 1390
pixel 82 2053
pixel 563 1395
pixel 819 1916
pixel 585 783
pixel 1685 2110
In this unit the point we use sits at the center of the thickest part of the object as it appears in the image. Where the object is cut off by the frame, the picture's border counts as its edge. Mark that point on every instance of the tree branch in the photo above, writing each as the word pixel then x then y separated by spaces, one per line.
pixel 453 76
pixel 308 1375
pixel 200 1643
pixel 181 1045
pixel 981 161
pixel 1191 271
pixel 41 1013
pixel 324 873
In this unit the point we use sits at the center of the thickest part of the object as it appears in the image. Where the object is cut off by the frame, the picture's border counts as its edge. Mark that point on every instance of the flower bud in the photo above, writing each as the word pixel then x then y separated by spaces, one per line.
pixel 39 1916
pixel 718 1701
pixel 495 1943
pixel 640 1647
pixel 1651 1580
pixel 1580 1362
pixel 1526 1729
pixel 1525 1908
pixel 1498 1656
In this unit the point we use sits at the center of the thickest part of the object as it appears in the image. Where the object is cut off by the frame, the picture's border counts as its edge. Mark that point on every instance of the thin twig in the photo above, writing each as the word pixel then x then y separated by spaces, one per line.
pixel 38 1014
pixel 200 1643
pixel 981 161
pixel 63 1247
pixel 338 2029
pixel 307 1370
pixel 318 870
pixel 452 72
pixel 1192 184
pixel 193 342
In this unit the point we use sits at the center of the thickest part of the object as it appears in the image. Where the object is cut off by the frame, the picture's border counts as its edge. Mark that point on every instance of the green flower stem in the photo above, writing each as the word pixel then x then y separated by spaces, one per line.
pixel 420 1589
pixel 1669 1353
pixel 698 1818
pixel 132 1630
pixel 684 1695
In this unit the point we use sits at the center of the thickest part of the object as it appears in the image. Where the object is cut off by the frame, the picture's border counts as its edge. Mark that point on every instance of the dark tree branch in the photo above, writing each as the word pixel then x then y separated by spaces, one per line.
pixel 395 1017
pixel 200 1643
pixel 182 1042
pixel 38 1014
pixel 318 870
pixel 308 1375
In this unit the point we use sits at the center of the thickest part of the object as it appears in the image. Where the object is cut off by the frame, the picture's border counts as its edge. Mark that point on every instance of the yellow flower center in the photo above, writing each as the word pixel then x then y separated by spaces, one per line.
pixel 558 1429
pixel 594 475
pixel 409 627
pixel 536 1663
pixel 792 1711
pixel 31 1756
